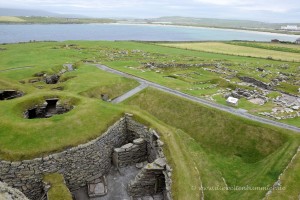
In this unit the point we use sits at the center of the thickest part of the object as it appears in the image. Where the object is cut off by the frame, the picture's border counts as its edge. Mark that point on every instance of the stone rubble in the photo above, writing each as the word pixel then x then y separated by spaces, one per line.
pixel 288 107
pixel 52 79
pixel 256 82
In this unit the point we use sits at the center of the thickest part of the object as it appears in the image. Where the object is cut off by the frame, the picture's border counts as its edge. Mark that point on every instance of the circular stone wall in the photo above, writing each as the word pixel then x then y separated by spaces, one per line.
pixel 49 108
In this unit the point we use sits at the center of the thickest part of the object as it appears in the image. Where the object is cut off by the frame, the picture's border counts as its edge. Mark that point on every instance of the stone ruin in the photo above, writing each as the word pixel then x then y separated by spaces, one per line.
pixel 145 152
pixel 288 107
pixel 10 94
pixel 256 82
pixel 48 109
pixel 143 158
pixel 105 97
pixel 254 96
pixel 101 166
pixel 97 187
pixel 53 79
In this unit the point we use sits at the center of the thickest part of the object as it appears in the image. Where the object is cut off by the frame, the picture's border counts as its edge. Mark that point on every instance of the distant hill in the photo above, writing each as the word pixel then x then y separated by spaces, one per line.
pixel 22 16
pixel 211 22
pixel 25 12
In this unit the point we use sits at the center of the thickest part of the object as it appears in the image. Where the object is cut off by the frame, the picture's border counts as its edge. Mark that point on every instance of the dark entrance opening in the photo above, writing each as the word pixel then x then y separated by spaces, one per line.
pixel 51 106
pixel 48 109
pixel 31 113
pixel 10 94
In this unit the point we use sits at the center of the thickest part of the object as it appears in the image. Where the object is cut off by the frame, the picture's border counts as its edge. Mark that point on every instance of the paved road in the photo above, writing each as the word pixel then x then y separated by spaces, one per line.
pixel 238 112
pixel 130 93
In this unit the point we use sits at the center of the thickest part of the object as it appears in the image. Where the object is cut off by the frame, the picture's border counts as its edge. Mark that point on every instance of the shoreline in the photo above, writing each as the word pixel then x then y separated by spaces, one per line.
pixel 262 32
pixel 214 28
pixel 194 31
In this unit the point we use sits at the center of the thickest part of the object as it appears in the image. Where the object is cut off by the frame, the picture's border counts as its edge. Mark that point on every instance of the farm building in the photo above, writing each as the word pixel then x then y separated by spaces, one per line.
pixel 297 41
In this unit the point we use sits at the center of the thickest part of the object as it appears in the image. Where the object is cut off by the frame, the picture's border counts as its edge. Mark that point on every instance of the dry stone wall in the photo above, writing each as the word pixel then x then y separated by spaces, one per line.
pixel 130 153
pixel 89 161
pixel 150 180
pixel 77 164
pixel 256 82
pixel 156 176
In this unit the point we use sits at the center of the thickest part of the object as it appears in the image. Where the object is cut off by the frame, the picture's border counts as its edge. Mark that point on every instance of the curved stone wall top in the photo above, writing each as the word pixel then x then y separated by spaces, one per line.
pixel 80 164
pixel 77 164
pixel 9 193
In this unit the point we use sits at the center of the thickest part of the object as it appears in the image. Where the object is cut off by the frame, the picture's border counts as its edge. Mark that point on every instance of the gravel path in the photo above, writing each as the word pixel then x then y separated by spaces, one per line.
pixel 238 112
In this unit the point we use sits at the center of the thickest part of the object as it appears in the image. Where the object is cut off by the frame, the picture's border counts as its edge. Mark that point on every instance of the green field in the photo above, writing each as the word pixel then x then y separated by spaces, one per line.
pixel 10 19
pixel 240 50
pixel 204 146
pixel 52 20
pixel 294 48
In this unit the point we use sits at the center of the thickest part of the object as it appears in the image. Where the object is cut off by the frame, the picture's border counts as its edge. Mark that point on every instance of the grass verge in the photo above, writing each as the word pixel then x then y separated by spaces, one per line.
pixel 58 189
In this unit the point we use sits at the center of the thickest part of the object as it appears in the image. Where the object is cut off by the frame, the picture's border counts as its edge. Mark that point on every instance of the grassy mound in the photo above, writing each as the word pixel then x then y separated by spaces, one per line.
pixel 24 139
pixel 251 51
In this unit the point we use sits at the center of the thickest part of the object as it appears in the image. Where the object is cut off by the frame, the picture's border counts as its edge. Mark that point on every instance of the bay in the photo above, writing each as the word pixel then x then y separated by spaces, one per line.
pixel 62 32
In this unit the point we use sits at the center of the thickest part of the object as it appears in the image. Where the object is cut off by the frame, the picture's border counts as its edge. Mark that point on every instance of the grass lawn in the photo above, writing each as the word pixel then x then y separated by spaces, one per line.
pixel 204 146
pixel 10 19
pixel 223 48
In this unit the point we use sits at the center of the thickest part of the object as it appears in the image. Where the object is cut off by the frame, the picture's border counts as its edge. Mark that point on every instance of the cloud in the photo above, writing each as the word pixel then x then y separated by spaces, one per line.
pixel 255 5
pixel 265 10
pixel 219 2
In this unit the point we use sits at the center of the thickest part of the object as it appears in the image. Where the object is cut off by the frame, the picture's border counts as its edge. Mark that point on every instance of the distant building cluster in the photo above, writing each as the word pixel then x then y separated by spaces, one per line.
pixel 290 28
pixel 278 41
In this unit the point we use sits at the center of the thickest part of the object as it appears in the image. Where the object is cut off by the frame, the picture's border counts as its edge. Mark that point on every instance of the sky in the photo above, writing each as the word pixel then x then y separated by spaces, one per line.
pixel 259 10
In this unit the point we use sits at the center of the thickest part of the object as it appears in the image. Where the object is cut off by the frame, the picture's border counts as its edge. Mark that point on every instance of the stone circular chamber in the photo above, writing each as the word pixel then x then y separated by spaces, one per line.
pixel 10 94
pixel 51 106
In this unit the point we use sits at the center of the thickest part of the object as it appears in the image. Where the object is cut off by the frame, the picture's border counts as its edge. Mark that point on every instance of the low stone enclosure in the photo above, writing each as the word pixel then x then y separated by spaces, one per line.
pixel 48 109
pixel 10 94
pixel 84 163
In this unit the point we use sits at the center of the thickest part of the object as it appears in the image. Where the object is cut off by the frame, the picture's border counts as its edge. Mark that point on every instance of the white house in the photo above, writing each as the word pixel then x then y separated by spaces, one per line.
pixel 232 101
pixel 297 41
pixel 290 28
